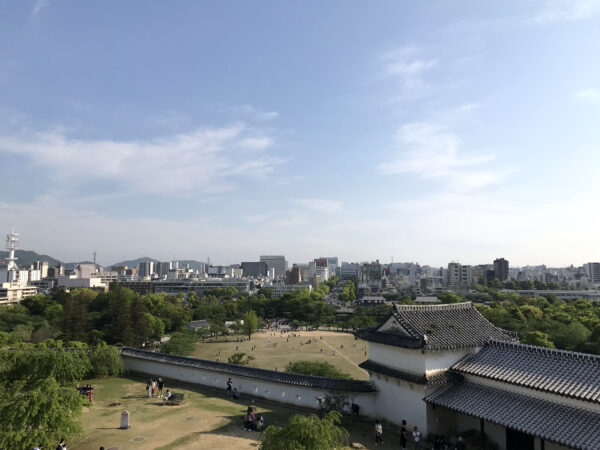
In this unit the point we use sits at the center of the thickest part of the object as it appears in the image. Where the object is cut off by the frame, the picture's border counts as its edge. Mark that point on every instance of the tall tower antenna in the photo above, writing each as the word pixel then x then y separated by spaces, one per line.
pixel 12 244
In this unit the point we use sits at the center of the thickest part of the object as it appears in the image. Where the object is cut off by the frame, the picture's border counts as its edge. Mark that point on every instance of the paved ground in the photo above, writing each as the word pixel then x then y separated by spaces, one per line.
pixel 275 350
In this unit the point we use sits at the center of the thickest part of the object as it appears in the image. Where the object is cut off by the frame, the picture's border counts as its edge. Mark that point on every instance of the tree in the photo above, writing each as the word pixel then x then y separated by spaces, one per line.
pixel 181 343
pixel 317 368
pixel 250 323
pixel 105 361
pixel 537 338
pixel 240 358
pixel 41 413
pixel 325 434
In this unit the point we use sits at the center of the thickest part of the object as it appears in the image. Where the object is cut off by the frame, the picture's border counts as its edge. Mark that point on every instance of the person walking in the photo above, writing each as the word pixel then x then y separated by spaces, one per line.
pixel 403 435
pixel 378 433
pixel 417 436
pixel 229 388
pixel 460 444
pixel 149 388
pixel 161 385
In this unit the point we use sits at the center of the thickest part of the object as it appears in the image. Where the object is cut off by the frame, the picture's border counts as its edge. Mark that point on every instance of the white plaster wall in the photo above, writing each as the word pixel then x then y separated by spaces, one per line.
pixel 412 361
pixel 415 361
pixel 437 361
pixel 249 388
pixel 398 400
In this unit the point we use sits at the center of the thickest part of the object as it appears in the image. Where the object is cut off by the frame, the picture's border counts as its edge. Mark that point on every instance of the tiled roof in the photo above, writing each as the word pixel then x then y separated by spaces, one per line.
pixel 334 384
pixel 437 379
pixel 566 425
pixel 570 374
pixel 437 327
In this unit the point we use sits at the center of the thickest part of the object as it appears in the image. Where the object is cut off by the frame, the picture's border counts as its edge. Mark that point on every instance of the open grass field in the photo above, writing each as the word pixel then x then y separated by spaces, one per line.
pixel 275 350
pixel 204 421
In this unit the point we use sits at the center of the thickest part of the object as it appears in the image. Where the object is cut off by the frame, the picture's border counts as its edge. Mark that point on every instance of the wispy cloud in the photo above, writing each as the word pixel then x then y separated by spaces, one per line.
pixel 254 113
pixel 39 4
pixel 201 161
pixel 321 204
pixel 432 152
pixel 570 10
pixel 591 95
pixel 408 66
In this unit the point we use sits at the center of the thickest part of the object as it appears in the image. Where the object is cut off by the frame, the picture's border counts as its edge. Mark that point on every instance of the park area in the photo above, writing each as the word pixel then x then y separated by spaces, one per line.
pixel 205 420
pixel 274 350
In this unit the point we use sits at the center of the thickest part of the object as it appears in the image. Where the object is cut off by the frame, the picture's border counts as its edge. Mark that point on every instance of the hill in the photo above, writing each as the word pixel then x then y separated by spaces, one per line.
pixel 28 257
pixel 192 263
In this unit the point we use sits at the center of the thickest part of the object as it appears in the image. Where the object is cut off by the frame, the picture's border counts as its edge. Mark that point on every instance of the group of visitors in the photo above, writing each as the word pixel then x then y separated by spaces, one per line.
pixel 417 437
pixel 86 390
pixel 155 387
pixel 253 422
pixel 439 443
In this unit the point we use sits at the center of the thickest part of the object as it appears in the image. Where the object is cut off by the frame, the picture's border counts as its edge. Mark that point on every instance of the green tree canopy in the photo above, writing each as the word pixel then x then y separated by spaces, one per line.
pixel 250 323
pixel 306 432
pixel 181 343
pixel 317 368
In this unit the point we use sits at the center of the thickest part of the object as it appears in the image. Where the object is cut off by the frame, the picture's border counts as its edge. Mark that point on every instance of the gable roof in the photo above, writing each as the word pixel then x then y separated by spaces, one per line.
pixel 325 383
pixel 560 372
pixel 566 425
pixel 435 327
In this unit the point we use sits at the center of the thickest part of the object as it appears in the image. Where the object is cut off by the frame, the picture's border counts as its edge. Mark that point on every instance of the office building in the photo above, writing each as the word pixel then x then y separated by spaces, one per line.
pixel 145 269
pixel 501 269
pixel 276 262
pixel 254 269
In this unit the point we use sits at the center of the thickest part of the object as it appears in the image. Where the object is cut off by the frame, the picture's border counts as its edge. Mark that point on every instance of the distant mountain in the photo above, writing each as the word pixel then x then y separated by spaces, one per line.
pixel 192 263
pixel 28 257
pixel 133 263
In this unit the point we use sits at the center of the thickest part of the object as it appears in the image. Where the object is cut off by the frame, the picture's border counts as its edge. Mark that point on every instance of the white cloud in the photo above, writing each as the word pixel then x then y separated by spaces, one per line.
pixel 408 66
pixel 591 95
pixel 321 204
pixel 430 151
pixel 255 113
pixel 569 10
pixel 202 161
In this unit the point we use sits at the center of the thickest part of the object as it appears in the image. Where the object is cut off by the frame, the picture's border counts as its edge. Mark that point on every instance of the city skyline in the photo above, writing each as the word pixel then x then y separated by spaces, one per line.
pixel 427 133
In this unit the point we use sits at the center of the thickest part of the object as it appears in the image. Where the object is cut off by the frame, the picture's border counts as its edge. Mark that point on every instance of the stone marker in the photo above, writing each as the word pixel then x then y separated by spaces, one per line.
pixel 125 417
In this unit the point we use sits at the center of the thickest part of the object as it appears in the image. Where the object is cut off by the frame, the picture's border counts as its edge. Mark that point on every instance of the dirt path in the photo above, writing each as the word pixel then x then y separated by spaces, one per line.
pixel 341 354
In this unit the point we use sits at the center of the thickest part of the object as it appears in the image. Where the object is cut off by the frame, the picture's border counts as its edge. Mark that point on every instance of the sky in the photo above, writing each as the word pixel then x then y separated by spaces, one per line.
pixel 420 131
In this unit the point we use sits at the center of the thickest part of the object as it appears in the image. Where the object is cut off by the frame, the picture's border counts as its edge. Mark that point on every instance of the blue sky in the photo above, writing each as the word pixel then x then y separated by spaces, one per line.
pixel 422 131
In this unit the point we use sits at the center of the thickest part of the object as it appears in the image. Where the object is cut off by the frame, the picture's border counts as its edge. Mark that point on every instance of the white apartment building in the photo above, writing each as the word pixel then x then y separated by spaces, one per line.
pixel 592 271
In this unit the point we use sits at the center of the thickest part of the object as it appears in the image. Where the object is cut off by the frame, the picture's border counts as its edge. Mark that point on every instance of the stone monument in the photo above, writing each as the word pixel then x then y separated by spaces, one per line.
pixel 125 418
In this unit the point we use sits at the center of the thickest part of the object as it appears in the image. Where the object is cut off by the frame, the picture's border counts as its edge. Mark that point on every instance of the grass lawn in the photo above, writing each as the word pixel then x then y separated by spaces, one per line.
pixel 204 421
pixel 290 349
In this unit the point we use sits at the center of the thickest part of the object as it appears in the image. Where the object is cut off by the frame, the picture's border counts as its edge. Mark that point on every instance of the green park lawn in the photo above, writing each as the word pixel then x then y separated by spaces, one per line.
pixel 204 421
pixel 289 349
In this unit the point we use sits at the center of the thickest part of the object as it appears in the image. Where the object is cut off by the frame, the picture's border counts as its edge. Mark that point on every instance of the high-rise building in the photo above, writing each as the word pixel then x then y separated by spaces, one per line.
pixel 294 275
pixel 460 277
pixel 592 271
pixel 145 269
pixel 501 269
pixel 42 266
pixel 276 262
pixel 254 269
pixel 349 271
pixel 162 268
